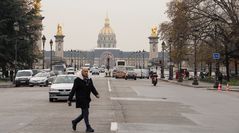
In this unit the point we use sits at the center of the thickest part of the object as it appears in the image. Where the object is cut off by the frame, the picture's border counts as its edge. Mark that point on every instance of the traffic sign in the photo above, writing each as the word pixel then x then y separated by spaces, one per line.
pixel 216 56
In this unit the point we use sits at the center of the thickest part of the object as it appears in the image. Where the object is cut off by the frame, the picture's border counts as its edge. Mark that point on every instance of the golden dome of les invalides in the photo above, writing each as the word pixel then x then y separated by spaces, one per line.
pixel 106 37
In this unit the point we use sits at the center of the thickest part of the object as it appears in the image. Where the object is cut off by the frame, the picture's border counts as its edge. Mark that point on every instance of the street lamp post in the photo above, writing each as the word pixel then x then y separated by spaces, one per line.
pixel 217 60
pixel 139 55
pixel 195 79
pixel 43 42
pixel 75 59
pixel 51 43
pixel 143 58
pixel 162 65
pixel 16 28
pixel 71 58
pixel 170 61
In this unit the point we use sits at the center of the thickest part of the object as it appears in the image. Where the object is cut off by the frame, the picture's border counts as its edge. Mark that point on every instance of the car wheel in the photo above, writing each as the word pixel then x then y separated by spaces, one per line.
pixel 31 85
pixel 51 99
pixel 17 85
pixel 125 78
pixel 134 78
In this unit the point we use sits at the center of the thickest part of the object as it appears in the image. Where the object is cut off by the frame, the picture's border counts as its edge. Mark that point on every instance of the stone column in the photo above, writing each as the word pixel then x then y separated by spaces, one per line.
pixel 59 41
pixel 153 52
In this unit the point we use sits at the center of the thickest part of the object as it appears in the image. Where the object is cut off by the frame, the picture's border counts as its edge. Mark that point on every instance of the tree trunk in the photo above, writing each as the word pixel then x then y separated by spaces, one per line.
pixel 236 73
pixel 210 69
pixel 227 64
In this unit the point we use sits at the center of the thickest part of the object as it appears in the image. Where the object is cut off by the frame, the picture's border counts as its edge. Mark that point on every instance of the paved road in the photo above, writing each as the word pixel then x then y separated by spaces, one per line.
pixel 126 107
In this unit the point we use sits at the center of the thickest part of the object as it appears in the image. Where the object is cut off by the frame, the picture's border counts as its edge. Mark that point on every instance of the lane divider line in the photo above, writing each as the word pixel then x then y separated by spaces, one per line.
pixel 114 126
pixel 135 99
pixel 109 87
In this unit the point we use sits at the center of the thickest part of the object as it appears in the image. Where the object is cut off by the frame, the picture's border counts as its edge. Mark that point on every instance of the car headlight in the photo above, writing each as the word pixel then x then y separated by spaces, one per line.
pixel 53 89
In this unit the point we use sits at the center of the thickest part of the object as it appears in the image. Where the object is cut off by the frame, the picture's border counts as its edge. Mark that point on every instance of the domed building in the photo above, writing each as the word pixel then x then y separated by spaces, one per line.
pixel 106 37
pixel 106 46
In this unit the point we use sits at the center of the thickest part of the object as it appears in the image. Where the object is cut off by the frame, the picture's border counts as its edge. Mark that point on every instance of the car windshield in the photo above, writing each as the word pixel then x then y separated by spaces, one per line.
pixel 41 75
pixel 64 79
pixel 23 73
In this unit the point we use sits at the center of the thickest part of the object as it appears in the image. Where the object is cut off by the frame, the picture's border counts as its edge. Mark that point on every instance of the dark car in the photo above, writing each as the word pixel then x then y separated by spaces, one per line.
pixel 131 75
pixel 23 77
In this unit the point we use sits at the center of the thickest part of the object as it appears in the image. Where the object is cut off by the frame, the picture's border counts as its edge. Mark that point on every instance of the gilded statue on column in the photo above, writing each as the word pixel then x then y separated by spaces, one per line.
pixel 154 31
pixel 59 30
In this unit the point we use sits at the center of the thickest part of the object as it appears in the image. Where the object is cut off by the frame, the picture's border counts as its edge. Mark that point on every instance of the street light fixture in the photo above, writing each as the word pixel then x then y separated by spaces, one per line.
pixel 162 65
pixel 71 58
pixel 170 60
pixel 217 60
pixel 51 43
pixel 16 28
pixel 143 58
pixel 43 42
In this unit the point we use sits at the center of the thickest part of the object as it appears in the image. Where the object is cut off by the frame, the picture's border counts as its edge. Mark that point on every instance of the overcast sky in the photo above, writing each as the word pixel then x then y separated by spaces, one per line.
pixel 82 21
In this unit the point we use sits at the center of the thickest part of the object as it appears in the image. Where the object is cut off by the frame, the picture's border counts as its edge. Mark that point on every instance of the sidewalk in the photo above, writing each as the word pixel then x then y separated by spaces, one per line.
pixel 206 85
pixel 6 84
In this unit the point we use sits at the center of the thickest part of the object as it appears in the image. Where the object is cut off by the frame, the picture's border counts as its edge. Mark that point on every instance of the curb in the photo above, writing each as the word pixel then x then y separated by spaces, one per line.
pixel 194 86
pixel 215 89
pixel 7 86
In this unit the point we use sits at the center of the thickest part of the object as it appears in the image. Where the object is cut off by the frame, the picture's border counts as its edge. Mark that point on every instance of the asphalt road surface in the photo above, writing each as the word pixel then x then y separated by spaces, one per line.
pixel 125 106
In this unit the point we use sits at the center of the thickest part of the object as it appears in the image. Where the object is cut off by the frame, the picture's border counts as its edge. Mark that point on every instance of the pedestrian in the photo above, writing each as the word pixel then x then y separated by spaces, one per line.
pixel 11 75
pixel 82 88
pixel 220 77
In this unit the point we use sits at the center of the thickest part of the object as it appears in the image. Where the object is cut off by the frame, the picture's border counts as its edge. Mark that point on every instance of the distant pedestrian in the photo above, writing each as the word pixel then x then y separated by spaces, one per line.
pixel 11 75
pixel 220 77
pixel 82 88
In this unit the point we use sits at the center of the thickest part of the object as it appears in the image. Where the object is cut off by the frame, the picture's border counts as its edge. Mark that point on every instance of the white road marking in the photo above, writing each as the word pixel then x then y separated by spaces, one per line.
pixel 135 99
pixel 114 126
pixel 109 85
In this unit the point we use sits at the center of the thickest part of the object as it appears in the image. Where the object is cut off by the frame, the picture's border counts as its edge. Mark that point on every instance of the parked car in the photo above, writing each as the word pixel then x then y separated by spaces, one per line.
pixel 41 79
pixel 36 71
pixel 114 73
pixel 61 87
pixel 70 70
pixel 145 73
pixel 120 74
pixel 102 70
pixel 95 71
pixel 131 75
pixel 23 77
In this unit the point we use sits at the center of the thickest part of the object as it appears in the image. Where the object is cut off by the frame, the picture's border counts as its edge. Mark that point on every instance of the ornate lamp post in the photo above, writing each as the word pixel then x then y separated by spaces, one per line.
pixel 43 59
pixel 162 65
pixel 170 60
pixel 195 79
pixel 71 58
pixel 51 43
pixel 143 58
pixel 16 28
pixel 139 55
pixel 217 60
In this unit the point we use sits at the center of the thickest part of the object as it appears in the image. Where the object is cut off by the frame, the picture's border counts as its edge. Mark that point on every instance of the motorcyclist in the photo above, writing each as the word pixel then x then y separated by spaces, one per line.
pixel 154 77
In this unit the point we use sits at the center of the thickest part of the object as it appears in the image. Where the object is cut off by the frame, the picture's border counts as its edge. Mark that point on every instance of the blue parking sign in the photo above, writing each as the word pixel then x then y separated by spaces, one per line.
pixel 216 56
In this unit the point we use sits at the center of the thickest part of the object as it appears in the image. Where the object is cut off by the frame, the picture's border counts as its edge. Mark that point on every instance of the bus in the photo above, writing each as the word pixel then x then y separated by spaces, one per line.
pixel 120 63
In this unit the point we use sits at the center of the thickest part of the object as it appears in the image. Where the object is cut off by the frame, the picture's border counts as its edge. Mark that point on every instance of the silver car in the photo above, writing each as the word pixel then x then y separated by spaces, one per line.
pixel 61 87
pixel 41 79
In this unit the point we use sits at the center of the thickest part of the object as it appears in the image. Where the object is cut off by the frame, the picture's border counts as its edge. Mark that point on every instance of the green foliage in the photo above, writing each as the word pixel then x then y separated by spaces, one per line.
pixel 20 11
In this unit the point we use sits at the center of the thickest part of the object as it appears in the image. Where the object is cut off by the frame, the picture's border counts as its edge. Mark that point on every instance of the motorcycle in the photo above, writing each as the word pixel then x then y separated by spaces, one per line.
pixel 154 78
